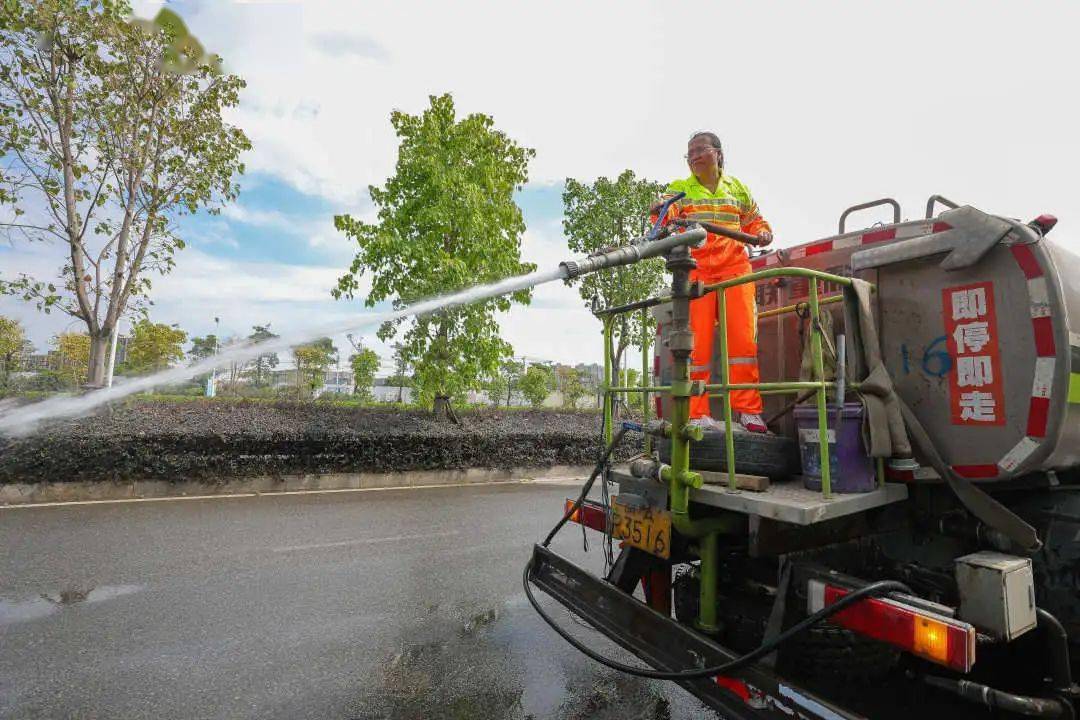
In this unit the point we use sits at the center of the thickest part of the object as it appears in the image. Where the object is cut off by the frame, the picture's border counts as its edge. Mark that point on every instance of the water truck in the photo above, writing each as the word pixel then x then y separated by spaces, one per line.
pixel 907 538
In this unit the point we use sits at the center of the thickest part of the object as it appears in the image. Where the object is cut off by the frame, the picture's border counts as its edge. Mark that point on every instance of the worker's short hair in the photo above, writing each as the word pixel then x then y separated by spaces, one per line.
pixel 714 140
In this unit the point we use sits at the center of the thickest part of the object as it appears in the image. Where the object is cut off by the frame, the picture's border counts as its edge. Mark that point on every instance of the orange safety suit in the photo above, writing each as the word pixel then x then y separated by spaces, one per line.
pixel 719 259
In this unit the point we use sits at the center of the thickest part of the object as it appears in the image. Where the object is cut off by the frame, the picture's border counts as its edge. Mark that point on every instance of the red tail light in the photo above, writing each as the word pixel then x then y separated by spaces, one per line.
pixel 590 514
pixel 936 638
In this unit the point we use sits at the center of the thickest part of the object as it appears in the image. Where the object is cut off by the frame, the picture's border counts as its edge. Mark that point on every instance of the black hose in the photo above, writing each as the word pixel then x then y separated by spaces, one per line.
pixel 998 699
pixel 876 589
pixel 588 485
pixel 1057 641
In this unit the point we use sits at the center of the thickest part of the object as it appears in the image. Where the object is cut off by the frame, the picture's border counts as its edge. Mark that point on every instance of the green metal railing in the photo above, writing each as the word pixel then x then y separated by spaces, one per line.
pixel 820 386
pixel 705 532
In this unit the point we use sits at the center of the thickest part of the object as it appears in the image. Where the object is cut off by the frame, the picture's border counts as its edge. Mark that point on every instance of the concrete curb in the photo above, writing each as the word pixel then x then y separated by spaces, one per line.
pixel 58 492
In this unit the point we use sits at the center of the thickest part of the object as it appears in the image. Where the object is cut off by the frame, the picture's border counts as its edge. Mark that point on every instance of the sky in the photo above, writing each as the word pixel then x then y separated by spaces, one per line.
pixel 820 106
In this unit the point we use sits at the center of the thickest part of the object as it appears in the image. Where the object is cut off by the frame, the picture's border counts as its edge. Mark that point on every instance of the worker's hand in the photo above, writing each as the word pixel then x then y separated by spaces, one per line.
pixel 654 209
pixel 764 238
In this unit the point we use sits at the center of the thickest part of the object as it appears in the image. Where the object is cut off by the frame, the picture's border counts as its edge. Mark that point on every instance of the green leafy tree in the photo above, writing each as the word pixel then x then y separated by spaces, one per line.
pixel 202 347
pixel 312 362
pixel 110 130
pixel 612 212
pixel 536 384
pixel 504 382
pixel 13 344
pixel 364 363
pixel 72 357
pixel 496 387
pixel 261 366
pixel 446 220
pixel 153 347
pixel 571 386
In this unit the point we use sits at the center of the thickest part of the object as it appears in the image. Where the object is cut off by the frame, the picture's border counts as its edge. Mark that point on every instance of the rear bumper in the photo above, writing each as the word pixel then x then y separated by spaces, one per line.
pixel 754 693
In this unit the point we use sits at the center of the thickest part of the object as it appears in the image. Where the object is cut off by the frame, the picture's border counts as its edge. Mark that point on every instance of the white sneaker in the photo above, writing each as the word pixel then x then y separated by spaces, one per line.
pixel 753 422
pixel 710 423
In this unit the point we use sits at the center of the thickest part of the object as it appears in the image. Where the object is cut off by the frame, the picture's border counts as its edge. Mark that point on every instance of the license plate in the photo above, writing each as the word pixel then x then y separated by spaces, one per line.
pixel 645 528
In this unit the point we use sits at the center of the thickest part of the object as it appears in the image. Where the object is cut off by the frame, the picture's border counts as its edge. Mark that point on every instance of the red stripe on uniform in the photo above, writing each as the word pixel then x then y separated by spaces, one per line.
pixel 1027 261
pixel 976 471
pixel 659 412
pixel 940 227
pixel 1038 411
pixel 819 248
pixel 879 236
pixel 1044 336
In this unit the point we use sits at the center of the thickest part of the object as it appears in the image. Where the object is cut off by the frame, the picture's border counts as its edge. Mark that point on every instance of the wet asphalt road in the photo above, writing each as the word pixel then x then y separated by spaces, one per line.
pixel 397 604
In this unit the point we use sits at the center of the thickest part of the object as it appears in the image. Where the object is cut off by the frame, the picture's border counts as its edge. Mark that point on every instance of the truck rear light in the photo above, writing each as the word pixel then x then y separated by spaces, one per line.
pixel 936 638
pixel 592 515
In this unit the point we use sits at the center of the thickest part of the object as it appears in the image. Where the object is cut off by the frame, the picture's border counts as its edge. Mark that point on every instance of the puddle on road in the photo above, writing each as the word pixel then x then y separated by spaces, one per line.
pixel 491 664
pixel 46 604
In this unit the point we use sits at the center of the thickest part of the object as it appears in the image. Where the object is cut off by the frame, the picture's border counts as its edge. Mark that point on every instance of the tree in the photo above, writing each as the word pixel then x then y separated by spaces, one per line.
pixel 446 220
pixel 110 130
pixel 13 344
pixel 364 363
pixel 496 386
pixel 571 386
pixel 73 357
pixel 202 347
pixel 504 382
pixel 537 383
pixel 153 347
pixel 609 213
pixel 261 366
pixel 312 362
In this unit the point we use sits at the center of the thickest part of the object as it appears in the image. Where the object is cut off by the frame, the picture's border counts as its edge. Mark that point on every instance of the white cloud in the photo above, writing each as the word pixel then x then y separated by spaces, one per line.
pixel 902 100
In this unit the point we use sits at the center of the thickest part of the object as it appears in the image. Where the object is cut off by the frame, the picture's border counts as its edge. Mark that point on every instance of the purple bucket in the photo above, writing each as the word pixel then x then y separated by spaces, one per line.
pixel 851 469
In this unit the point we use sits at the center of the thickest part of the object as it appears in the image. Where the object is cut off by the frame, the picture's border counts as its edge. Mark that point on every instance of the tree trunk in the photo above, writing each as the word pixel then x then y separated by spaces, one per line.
pixel 99 352
pixel 443 410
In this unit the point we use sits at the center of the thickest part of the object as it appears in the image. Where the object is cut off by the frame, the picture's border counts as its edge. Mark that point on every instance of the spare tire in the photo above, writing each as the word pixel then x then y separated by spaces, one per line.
pixel 755 454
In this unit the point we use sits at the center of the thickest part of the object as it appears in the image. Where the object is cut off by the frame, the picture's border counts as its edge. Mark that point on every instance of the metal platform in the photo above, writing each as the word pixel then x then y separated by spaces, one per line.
pixel 790 502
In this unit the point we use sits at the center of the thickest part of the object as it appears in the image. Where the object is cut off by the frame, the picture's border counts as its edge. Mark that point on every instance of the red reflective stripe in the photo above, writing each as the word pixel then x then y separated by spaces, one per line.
pixel 976 471
pixel 819 248
pixel 940 227
pixel 1027 261
pixel 1044 336
pixel 659 410
pixel 879 236
pixel 734 685
pixel 758 262
pixel 1038 412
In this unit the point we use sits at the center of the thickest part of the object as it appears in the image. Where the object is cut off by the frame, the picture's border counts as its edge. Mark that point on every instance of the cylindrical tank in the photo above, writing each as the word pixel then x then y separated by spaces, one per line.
pixel 983 354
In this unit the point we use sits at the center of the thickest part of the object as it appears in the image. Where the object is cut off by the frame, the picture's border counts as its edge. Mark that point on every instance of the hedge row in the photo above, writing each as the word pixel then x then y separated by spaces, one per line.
pixel 200 439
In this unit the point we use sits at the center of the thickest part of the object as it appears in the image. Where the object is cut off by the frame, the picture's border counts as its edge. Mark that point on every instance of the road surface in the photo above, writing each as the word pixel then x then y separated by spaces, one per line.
pixel 386 604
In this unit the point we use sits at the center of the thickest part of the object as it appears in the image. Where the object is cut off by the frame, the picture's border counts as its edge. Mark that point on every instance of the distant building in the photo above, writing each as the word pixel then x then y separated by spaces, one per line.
pixel 334 381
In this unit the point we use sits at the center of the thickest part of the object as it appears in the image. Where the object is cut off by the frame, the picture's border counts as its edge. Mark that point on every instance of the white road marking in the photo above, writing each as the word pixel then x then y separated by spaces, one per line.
pixel 231 496
pixel 364 541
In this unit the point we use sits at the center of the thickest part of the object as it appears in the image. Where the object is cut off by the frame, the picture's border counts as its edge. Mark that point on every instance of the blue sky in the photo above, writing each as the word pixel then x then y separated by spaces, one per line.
pixel 973 100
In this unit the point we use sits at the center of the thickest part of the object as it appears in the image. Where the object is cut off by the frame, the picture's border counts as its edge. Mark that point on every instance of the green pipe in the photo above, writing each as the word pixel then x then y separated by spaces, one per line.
pixel 640 388
pixel 729 436
pixel 608 429
pixel 793 386
pixel 819 374
pixel 709 552
pixel 791 308
pixel 779 272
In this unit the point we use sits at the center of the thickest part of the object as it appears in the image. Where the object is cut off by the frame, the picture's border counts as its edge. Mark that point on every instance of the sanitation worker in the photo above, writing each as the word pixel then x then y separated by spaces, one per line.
pixel 720 199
